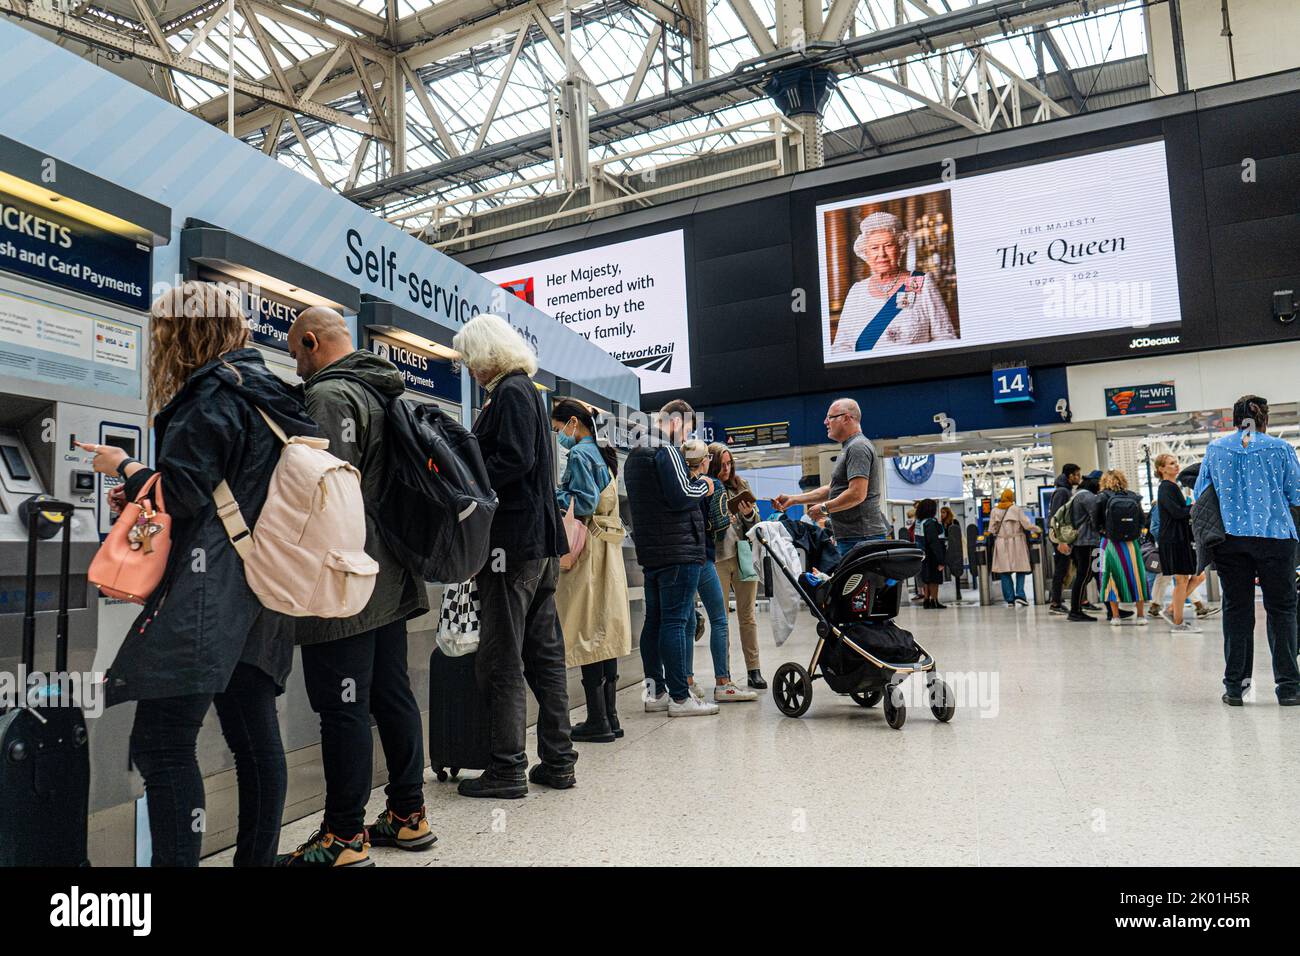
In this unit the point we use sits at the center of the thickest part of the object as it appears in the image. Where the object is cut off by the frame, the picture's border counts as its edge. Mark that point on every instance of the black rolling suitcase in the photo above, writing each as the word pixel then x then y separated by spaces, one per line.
pixel 44 751
pixel 458 716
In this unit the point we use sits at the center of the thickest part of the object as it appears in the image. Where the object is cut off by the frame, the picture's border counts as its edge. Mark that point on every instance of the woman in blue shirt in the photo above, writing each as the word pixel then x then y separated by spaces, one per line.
pixel 1257 479
pixel 591 596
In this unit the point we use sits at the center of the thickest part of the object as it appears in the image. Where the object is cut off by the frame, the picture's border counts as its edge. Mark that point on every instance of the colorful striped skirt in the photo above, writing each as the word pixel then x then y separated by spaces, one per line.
pixel 1123 575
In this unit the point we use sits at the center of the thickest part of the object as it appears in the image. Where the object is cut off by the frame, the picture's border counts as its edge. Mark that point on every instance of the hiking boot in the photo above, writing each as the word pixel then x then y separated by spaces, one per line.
pixel 324 850
pixel 410 832
pixel 488 784
pixel 554 777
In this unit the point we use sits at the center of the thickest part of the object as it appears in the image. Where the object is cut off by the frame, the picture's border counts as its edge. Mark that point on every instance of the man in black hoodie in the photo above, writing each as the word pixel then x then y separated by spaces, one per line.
pixel 356 667
pixel 1066 481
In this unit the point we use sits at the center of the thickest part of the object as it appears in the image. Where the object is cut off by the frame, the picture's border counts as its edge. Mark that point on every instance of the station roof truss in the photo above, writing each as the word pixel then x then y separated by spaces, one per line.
pixel 433 113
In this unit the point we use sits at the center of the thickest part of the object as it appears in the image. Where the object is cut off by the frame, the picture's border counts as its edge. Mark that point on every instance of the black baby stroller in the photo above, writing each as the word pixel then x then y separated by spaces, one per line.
pixel 860 650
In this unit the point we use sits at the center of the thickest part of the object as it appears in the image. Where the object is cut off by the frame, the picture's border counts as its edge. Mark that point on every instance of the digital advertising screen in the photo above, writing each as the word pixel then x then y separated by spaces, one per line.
pixel 628 297
pixel 1069 247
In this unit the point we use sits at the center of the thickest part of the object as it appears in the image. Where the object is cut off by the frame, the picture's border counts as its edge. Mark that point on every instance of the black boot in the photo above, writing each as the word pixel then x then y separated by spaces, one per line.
pixel 611 705
pixel 756 680
pixel 595 729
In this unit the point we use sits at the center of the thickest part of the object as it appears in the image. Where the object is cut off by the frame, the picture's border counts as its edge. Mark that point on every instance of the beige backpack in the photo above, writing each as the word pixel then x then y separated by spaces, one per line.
pixel 308 556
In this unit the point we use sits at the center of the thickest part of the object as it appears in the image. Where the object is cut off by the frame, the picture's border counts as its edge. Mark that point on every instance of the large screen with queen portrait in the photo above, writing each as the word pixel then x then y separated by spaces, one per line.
pixel 1068 247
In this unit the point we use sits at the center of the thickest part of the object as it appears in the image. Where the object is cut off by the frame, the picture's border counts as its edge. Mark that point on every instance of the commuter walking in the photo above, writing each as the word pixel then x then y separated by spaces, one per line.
pixel 520 646
pixel 1069 478
pixel 853 499
pixel 591 597
pixel 930 538
pixel 1118 513
pixel 668 531
pixel 955 556
pixel 1257 480
pixel 716 522
pixel 1082 507
pixel 203 637
pixel 1177 553
pixel 743 513
pixel 1009 526
pixel 347 395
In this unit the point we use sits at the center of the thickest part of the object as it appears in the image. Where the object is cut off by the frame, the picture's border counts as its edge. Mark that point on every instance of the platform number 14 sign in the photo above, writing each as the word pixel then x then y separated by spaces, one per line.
pixel 1013 384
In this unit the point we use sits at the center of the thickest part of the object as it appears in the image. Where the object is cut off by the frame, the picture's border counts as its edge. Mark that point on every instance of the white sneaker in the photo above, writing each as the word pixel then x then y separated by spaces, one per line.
pixel 729 693
pixel 695 690
pixel 1116 622
pixel 691 707
pixel 1185 628
pixel 1139 622
pixel 657 705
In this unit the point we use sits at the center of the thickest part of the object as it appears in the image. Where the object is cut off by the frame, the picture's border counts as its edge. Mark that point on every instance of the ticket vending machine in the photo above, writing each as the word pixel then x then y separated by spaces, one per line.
pixel 273 287
pixel 75 288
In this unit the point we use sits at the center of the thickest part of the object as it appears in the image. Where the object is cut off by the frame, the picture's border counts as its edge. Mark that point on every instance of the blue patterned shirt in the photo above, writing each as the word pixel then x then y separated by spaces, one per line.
pixel 585 477
pixel 1255 484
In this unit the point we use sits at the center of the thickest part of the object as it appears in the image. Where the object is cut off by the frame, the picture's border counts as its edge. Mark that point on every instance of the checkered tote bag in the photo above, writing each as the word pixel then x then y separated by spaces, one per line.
pixel 458 619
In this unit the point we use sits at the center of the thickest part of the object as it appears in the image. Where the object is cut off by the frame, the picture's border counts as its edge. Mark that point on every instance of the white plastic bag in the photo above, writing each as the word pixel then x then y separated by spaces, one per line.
pixel 458 620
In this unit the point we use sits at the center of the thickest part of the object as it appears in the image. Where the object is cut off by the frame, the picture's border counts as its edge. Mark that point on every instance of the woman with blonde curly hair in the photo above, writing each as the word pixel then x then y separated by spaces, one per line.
pixel 1118 513
pixel 203 638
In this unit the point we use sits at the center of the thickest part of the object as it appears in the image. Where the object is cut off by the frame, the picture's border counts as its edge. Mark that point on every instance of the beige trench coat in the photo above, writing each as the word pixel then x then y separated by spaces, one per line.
pixel 591 597
pixel 1011 549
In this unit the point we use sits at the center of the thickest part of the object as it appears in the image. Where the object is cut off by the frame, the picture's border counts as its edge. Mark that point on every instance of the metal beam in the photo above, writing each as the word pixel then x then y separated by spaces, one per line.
pixel 311 155
pixel 837 19
pixel 202 33
pixel 1044 35
pixel 368 92
pixel 270 145
pixel 306 95
pixel 557 42
pixel 506 72
pixel 150 53
pixel 643 67
pixel 430 112
pixel 351 14
pixel 753 26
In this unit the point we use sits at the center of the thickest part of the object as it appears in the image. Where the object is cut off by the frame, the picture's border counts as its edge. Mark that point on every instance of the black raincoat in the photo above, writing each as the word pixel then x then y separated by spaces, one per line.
pixel 202 619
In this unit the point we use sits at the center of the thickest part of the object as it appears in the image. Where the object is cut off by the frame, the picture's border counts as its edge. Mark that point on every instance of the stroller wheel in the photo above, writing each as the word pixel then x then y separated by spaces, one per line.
pixel 942 703
pixel 792 689
pixel 866 698
pixel 895 708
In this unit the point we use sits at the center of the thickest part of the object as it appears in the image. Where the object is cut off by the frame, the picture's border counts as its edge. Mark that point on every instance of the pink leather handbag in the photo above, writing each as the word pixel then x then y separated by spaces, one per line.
pixel 575 530
pixel 130 562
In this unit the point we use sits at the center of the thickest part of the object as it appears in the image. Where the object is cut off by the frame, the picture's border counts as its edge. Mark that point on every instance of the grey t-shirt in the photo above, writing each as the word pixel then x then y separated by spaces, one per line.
pixel 858 459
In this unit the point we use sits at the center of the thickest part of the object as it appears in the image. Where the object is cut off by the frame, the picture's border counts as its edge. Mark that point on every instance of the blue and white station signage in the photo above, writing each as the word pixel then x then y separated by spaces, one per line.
pixel 423 373
pixel 53 248
pixel 1014 384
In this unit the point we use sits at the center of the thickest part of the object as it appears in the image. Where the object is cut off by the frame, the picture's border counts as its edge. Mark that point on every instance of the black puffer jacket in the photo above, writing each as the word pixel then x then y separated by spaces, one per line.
pixel 667 523
pixel 203 619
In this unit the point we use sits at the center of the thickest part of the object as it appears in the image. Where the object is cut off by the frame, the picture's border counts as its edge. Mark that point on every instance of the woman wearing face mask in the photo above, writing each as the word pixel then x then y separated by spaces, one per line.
pixel 591 597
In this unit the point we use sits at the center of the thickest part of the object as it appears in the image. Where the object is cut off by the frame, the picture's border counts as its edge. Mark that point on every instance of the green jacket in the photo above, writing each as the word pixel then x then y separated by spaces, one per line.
pixel 353 420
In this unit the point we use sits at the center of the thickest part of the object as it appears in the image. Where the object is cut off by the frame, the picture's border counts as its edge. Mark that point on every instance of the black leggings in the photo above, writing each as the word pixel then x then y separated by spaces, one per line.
pixel 163 749
pixel 593 675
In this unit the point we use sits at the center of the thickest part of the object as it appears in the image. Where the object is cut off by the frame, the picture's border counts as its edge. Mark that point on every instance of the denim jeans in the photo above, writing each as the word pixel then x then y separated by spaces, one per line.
pixel 521 649
pixel 1240 561
pixel 163 742
pixel 665 638
pixel 372 667
pixel 845 545
pixel 715 606
pixel 1010 593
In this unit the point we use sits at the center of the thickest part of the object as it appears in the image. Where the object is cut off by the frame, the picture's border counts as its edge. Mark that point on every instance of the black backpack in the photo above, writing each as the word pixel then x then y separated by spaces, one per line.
pixel 1124 518
pixel 435 509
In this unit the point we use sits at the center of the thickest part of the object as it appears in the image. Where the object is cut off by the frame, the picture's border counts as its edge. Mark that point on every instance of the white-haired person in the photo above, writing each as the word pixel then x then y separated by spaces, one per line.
pixel 520 645
pixel 891 306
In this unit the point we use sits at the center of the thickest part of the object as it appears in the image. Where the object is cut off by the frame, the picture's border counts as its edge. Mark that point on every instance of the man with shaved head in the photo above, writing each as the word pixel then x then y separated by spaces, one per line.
pixel 355 667
pixel 854 496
